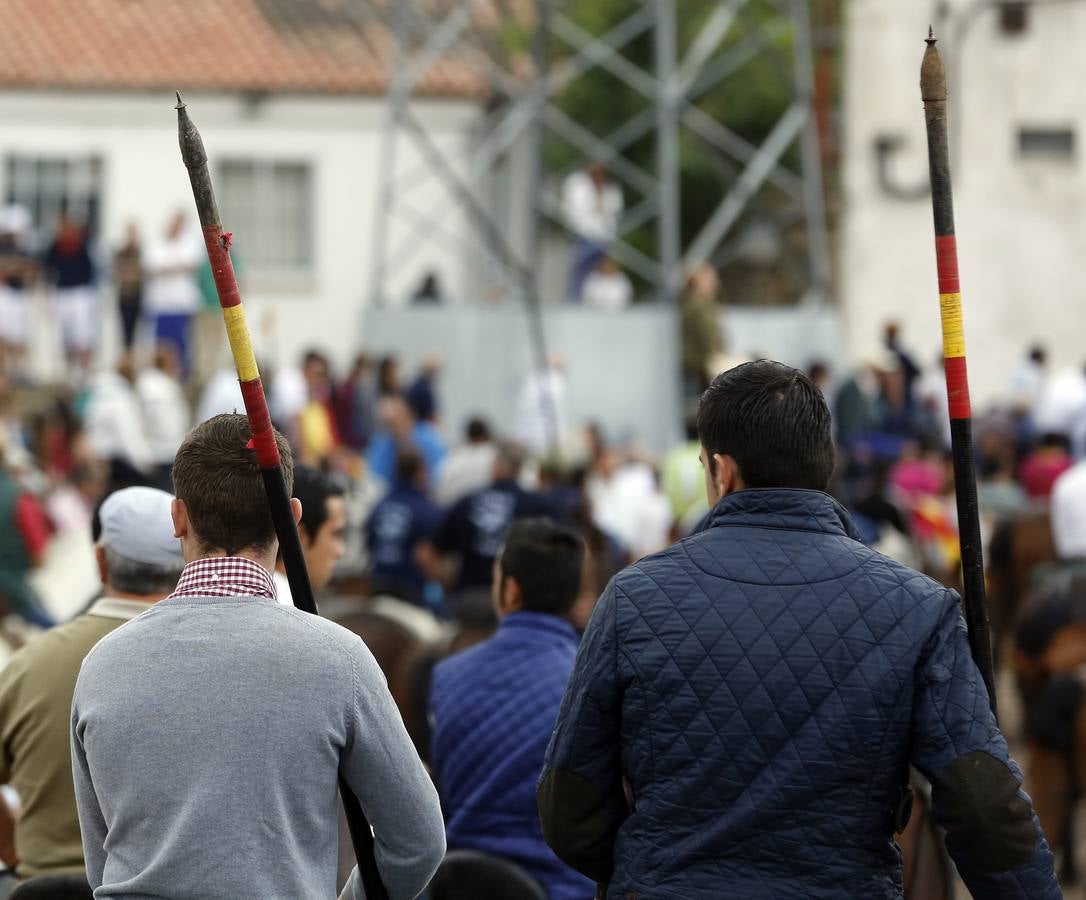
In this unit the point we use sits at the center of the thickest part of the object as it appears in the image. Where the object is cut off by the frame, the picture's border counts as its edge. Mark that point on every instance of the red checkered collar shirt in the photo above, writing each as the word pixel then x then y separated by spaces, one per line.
pixel 224 576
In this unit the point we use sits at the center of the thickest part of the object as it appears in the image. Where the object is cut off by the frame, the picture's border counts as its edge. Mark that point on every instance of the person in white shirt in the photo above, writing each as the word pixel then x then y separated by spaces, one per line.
pixel 540 409
pixel 114 427
pixel 1068 511
pixel 607 288
pixel 166 415
pixel 468 468
pixel 221 394
pixel 592 206
pixel 172 294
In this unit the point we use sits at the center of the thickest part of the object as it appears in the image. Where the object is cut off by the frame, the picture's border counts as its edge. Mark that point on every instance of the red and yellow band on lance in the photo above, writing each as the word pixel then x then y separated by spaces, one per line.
pixel 950 308
pixel 241 345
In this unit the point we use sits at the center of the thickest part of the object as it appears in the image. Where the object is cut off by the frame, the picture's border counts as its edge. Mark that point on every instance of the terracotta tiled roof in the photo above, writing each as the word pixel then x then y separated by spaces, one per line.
pixel 307 46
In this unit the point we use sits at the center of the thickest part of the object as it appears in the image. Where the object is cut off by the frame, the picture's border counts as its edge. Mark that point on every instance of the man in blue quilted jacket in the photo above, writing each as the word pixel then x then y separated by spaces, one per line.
pixel 745 705
pixel 493 707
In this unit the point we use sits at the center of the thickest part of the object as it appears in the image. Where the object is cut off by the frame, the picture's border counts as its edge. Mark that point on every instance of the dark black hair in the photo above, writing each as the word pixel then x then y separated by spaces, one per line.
pixel 546 561
pixel 1038 354
pixel 477 429
pixel 773 421
pixel 313 488
pixel 408 466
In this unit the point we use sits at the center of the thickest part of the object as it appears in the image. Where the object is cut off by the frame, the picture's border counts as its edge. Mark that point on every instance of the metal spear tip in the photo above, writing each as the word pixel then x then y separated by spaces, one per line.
pixel 932 73
pixel 180 102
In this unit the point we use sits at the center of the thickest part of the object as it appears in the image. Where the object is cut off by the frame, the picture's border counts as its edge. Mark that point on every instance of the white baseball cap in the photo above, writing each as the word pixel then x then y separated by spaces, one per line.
pixel 137 525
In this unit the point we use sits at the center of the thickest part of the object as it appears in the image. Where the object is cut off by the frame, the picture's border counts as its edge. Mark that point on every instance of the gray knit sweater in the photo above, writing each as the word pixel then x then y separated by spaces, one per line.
pixel 206 738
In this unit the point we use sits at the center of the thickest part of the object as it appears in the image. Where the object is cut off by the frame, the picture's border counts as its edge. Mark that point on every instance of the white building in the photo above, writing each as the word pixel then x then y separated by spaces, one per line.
pixel 1015 73
pixel 288 97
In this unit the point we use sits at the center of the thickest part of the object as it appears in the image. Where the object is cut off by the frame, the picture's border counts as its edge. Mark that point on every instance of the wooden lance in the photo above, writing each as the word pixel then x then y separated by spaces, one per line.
pixel 217 242
pixel 933 90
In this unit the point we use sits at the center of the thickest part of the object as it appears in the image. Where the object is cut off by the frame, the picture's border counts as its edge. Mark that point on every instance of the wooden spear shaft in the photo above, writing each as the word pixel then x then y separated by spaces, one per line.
pixel 933 90
pixel 217 242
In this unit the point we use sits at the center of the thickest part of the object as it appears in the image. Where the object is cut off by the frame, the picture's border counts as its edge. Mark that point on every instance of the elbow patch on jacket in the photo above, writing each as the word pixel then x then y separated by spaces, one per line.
pixel 580 822
pixel 988 822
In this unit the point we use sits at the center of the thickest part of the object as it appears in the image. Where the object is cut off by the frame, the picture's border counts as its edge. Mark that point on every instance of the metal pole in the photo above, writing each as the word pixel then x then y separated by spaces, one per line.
pixel 667 152
pixel 534 192
pixel 218 242
pixel 818 246
pixel 933 90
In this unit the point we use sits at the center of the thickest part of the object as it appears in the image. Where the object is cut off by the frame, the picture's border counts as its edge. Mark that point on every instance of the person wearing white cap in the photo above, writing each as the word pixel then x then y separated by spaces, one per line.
pixel 139 561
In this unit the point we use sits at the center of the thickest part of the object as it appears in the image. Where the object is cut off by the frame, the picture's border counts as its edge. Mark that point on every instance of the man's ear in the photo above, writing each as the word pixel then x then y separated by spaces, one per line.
pixel 511 597
pixel 726 476
pixel 180 516
pixel 296 509
pixel 100 559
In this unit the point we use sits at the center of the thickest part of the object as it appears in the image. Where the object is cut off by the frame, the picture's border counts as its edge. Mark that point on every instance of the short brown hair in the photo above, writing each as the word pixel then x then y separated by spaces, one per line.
pixel 216 475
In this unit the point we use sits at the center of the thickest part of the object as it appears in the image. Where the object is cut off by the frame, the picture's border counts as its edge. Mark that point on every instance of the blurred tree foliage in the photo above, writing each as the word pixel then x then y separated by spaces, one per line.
pixel 749 101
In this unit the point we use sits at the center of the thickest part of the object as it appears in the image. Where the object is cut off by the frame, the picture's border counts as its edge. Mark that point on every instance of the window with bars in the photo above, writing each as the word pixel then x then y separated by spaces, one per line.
pixel 268 205
pixel 49 185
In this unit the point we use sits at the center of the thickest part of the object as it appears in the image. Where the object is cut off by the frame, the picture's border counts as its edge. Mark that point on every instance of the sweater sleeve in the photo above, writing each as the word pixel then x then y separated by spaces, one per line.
pixel 92 824
pixel 399 799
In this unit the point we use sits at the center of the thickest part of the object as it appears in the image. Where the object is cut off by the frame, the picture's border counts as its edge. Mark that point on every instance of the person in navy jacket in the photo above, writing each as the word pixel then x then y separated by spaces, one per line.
pixel 493 707
pixel 746 704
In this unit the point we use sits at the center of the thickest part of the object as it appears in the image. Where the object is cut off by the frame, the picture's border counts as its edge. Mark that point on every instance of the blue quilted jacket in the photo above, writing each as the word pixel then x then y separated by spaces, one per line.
pixel 745 706
pixel 493 709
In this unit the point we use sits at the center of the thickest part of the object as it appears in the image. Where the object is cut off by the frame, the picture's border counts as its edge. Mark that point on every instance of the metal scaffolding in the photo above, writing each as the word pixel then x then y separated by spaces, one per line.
pixel 523 112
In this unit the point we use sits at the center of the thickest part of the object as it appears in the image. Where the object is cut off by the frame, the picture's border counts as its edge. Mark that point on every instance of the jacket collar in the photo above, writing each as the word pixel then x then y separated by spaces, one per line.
pixel 785 508
pixel 539 623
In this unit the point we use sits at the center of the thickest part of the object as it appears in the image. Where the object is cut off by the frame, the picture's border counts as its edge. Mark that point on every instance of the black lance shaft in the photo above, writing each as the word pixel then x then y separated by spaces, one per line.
pixel 934 93
pixel 263 443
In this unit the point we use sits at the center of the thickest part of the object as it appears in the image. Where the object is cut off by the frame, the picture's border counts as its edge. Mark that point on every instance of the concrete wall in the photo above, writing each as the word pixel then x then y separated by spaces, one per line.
pixel 136 136
pixel 621 369
pixel 1021 229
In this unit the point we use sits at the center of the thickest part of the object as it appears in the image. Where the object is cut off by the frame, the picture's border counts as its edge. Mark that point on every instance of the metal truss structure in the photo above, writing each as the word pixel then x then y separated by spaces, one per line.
pixel 522 113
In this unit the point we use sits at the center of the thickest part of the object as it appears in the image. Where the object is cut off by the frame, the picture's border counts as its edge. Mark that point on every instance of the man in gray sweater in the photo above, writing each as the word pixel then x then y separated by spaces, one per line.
pixel 208 732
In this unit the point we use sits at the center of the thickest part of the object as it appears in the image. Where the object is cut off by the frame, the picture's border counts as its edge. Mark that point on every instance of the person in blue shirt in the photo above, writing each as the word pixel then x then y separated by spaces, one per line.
pixel 396 528
pixel 474 528
pixel 400 431
pixel 493 707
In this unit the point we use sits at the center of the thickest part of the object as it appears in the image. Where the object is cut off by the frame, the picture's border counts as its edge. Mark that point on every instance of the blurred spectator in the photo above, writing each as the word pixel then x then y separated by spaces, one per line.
pixel 24 534
pixel 128 280
pixel 400 432
pixel 469 465
pixel 918 472
pixel 473 530
pixel 1027 381
pixel 933 402
pixel 820 375
pixel 486 771
pixel 429 291
pixel 172 294
pixel 1061 408
pixel 607 287
pixel 1039 470
pixel 998 494
pixel 139 562
pixel 592 206
pixel 540 418
pixel 166 415
pixel 115 429
pixel 70 271
pixel 684 480
pixel 1069 513
pixel 356 404
pixel 321 531
pixel 398 527
pixel 388 377
pixel 627 502
pixel 17 270
pixel 858 406
pixel 221 394
pixel 422 395
pixel 910 371
pixel 702 342
pixel 316 430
